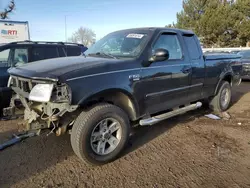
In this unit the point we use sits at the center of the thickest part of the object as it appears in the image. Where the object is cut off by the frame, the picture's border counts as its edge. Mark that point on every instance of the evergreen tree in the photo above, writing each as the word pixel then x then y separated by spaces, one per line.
pixel 218 22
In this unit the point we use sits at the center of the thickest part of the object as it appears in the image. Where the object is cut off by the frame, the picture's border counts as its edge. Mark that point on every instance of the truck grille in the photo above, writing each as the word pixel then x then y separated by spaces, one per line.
pixel 22 84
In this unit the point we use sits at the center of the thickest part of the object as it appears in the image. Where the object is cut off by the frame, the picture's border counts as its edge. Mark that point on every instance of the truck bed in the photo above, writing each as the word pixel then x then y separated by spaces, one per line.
pixel 218 56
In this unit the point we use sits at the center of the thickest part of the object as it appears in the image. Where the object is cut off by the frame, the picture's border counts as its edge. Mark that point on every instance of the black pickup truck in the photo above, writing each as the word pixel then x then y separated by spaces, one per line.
pixel 129 77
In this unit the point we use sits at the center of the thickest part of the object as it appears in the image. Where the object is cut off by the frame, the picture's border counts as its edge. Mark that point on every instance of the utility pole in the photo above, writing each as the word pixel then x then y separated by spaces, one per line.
pixel 65 23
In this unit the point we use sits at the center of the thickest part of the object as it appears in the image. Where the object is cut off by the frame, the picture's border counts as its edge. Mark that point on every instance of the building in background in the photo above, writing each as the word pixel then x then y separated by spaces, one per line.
pixel 12 31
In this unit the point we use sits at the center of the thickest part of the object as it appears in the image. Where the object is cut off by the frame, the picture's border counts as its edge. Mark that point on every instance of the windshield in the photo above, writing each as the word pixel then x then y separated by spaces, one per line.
pixel 118 45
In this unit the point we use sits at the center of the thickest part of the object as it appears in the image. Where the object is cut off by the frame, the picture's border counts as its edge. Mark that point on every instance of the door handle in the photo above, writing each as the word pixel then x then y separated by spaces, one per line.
pixel 186 69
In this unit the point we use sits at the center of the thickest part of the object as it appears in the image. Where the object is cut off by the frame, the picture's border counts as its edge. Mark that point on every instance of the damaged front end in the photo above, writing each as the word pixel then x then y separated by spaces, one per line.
pixel 47 103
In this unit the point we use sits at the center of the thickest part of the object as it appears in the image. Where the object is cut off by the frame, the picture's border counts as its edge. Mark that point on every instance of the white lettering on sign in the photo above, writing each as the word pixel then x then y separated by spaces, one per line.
pixel 133 35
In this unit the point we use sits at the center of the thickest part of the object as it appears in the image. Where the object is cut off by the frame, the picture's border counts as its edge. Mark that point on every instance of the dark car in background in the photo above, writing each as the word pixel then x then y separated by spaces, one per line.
pixel 246 64
pixel 19 53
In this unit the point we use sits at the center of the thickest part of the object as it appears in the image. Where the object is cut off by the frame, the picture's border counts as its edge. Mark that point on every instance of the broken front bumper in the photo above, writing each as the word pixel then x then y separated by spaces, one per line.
pixel 41 115
pixel 45 115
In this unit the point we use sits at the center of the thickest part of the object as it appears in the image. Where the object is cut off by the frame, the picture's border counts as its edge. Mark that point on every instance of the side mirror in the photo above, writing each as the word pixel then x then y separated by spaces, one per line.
pixel 160 54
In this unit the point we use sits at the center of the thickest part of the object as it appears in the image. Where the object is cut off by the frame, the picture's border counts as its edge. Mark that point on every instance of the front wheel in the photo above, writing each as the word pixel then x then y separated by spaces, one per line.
pixel 99 134
pixel 222 100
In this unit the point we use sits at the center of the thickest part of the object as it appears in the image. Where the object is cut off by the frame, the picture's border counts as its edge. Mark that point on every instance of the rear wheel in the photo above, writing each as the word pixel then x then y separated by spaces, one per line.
pixel 99 134
pixel 222 100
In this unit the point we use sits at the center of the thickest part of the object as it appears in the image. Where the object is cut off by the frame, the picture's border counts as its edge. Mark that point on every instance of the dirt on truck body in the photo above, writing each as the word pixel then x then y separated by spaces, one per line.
pixel 135 76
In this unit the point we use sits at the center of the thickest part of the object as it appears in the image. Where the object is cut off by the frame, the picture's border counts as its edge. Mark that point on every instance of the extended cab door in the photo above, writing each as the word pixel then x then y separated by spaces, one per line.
pixel 198 66
pixel 166 83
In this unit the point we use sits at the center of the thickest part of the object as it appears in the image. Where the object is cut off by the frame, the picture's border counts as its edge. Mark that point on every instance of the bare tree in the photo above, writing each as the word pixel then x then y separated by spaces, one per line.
pixel 84 36
pixel 10 8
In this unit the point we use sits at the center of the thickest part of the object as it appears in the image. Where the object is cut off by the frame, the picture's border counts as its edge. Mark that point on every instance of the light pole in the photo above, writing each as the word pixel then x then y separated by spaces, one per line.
pixel 65 23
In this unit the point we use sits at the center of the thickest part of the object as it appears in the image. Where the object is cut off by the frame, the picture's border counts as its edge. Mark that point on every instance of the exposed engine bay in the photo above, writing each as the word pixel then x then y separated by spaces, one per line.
pixel 45 101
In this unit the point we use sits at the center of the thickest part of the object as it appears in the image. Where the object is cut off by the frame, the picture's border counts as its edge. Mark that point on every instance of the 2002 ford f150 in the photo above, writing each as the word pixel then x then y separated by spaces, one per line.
pixel 142 75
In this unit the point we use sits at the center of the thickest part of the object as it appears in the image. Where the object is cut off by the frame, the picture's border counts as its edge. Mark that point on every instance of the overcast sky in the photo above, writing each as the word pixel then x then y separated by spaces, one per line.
pixel 47 17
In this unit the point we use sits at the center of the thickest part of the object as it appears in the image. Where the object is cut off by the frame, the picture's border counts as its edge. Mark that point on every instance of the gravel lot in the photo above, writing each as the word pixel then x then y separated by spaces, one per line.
pixel 186 151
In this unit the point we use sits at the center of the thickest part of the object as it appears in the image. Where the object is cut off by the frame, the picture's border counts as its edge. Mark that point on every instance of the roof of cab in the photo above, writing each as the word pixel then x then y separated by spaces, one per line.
pixel 182 31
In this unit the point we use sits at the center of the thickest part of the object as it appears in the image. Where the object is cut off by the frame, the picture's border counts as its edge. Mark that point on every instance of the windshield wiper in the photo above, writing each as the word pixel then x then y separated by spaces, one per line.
pixel 104 54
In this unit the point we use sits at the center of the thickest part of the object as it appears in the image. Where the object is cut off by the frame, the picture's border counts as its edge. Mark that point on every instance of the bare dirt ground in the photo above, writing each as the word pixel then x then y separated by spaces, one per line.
pixel 187 151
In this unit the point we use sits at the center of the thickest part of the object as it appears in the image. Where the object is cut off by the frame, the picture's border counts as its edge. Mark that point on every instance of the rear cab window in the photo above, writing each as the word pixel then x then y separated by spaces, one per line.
pixel 192 47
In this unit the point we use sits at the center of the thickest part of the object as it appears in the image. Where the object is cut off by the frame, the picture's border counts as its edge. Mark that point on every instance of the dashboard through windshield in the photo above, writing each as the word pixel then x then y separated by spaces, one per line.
pixel 119 45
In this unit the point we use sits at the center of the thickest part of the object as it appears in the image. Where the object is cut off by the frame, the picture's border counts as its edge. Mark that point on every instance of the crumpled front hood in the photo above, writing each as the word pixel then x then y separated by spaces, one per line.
pixel 54 68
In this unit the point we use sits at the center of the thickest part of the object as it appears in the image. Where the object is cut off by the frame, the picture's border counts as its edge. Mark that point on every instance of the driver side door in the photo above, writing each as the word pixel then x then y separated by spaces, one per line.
pixel 166 83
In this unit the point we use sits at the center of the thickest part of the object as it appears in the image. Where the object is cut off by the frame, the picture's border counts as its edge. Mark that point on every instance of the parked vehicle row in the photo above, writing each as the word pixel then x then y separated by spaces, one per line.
pixel 135 76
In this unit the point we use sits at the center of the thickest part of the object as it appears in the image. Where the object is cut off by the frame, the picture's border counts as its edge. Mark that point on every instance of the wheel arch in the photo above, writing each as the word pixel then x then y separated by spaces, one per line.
pixel 225 77
pixel 119 97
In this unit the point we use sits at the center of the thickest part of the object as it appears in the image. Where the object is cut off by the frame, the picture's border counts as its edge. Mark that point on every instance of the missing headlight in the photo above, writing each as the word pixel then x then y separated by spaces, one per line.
pixel 61 93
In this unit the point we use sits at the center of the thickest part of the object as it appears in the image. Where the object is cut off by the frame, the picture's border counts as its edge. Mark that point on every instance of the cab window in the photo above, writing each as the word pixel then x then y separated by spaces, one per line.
pixel 171 43
pixel 192 47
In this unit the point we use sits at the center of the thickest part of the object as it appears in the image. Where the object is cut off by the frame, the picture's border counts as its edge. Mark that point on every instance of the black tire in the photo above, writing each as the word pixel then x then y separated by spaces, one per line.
pixel 217 104
pixel 86 123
